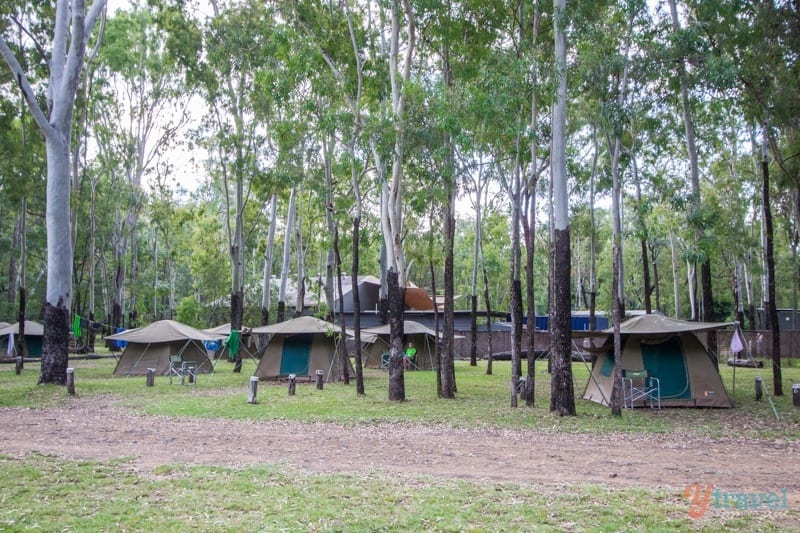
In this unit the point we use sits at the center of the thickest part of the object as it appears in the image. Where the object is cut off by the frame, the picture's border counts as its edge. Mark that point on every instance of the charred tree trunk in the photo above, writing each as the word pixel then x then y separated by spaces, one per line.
pixel 357 307
pixel 489 348
pixel 646 289
pixel 473 330
pixel 562 397
pixel 55 359
pixel 447 357
pixel 341 349
pixel 397 387
pixel 708 311
pixel 237 311
pixel 772 310
pixel 438 350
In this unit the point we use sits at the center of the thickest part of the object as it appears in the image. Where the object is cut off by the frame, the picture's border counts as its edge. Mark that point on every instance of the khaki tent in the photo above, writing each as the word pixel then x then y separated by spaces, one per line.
pixel 34 333
pixel 377 343
pixel 671 351
pixel 301 346
pixel 150 347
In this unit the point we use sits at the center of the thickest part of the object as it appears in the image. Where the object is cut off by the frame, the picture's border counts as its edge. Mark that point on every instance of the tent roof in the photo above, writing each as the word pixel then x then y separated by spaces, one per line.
pixel 31 328
pixel 659 325
pixel 303 324
pixel 164 331
pixel 409 328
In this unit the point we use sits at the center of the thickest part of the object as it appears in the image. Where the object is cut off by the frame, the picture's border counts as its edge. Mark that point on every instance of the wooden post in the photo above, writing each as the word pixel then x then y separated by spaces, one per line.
pixel 18 367
pixel 320 376
pixel 292 382
pixel 151 377
pixel 71 381
pixel 796 394
pixel 759 388
pixel 252 390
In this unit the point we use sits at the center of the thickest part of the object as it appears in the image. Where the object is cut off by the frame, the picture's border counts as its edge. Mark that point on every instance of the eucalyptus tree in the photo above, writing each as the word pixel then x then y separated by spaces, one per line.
pixel 744 36
pixel 694 174
pixel 562 394
pixel 345 58
pixel 22 188
pixel 238 41
pixel 138 110
pixel 71 32
pixel 23 166
pixel 401 15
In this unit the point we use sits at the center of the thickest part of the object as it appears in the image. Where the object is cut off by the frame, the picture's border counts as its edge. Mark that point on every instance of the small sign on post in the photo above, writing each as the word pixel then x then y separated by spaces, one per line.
pixel 320 376
pixel 71 381
pixel 151 377
pixel 292 383
pixel 252 390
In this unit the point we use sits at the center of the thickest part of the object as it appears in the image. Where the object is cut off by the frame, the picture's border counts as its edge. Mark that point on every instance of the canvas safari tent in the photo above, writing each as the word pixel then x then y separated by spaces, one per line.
pixel 150 347
pixel 377 343
pixel 9 334
pixel 672 352
pixel 301 346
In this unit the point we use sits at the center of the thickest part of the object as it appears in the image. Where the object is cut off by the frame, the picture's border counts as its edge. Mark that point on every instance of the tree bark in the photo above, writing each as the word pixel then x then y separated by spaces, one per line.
pixel 287 247
pixel 772 310
pixel 562 395
pixel 269 251
pixel 397 387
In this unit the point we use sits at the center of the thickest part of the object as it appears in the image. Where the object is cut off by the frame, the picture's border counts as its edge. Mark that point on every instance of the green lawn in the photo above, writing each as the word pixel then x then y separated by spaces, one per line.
pixel 47 493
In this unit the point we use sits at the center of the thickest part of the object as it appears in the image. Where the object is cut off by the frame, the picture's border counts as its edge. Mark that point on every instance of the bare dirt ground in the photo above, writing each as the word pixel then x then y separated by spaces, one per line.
pixel 86 430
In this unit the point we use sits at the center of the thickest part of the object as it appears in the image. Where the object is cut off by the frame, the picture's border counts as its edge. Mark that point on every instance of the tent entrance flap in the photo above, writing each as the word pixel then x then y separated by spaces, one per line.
pixel 667 362
pixel 296 353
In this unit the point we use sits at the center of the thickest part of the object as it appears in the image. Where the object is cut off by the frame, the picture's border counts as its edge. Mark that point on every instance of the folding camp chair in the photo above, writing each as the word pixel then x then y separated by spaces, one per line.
pixel 178 368
pixel 640 386
pixel 189 370
pixel 174 370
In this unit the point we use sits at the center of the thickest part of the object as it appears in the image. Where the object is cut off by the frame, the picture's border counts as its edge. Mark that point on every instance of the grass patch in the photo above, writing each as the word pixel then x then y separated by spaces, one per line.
pixel 41 492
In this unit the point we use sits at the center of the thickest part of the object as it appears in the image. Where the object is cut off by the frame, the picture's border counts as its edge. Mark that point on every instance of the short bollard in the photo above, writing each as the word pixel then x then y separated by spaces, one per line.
pixel 796 394
pixel 320 376
pixel 151 377
pixel 252 390
pixel 759 388
pixel 292 384
pixel 71 381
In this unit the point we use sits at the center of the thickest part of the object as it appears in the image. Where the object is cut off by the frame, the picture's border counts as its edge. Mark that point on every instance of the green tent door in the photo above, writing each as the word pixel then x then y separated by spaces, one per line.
pixel 296 354
pixel 667 362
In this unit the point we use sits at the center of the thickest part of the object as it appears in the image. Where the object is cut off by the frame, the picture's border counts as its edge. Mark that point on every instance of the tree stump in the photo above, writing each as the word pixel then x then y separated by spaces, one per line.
pixel 759 388
pixel 320 376
pixel 252 390
pixel 292 384
pixel 71 381
pixel 151 377
pixel 796 394
pixel 19 365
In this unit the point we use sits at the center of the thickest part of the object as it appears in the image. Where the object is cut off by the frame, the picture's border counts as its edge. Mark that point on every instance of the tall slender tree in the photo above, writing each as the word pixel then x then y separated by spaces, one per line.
pixel 73 27
pixel 562 395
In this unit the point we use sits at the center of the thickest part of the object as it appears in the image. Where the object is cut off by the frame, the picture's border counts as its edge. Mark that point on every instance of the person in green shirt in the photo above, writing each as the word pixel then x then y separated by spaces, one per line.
pixel 409 357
